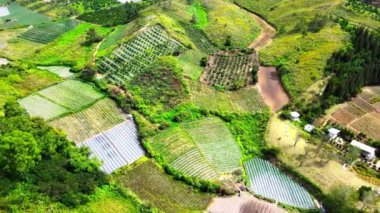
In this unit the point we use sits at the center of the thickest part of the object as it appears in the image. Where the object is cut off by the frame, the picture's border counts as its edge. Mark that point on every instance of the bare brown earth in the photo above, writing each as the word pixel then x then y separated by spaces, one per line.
pixel 266 36
pixel 271 88
pixel 246 203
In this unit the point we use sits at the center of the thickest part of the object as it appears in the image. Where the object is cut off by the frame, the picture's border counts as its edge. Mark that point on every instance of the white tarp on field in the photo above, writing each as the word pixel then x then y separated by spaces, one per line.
pixel 4 11
pixel 116 147
pixel 3 61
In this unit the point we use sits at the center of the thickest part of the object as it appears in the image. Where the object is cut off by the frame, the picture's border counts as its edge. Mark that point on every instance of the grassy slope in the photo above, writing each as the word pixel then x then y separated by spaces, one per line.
pixel 199 12
pixel 69 49
pixel 227 19
pixel 304 56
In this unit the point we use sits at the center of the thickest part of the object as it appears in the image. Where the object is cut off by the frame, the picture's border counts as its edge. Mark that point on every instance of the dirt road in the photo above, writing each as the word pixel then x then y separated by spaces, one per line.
pixel 266 36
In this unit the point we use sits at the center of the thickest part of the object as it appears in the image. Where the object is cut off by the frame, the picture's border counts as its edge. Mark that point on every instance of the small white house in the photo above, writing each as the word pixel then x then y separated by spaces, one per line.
pixel 295 116
pixel 309 128
pixel 4 11
pixel 333 133
pixel 367 151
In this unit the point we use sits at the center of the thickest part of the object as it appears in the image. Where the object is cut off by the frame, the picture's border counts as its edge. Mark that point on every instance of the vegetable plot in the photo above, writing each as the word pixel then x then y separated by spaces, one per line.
pixel 137 54
pixel 48 32
pixel 268 181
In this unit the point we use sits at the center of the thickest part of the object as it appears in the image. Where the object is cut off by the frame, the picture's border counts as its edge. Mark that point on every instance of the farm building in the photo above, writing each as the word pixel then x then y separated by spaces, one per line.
pixel 295 116
pixel 4 11
pixel 309 128
pixel 3 61
pixel 367 151
pixel 333 133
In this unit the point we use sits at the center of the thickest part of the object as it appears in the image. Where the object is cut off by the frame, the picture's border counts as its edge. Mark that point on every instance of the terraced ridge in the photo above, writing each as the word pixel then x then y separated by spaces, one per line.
pixel 101 116
pixel 137 54
pixel 268 181
pixel 216 143
pixel 46 33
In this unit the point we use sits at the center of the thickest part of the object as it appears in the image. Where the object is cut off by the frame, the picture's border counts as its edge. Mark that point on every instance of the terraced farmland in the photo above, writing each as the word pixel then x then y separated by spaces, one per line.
pixel 137 54
pixel 36 105
pixel 200 39
pixel 268 181
pixel 151 184
pixel 101 116
pixel 216 143
pixel 69 96
pixel 180 151
pixel 231 70
pixel 116 147
pixel 46 33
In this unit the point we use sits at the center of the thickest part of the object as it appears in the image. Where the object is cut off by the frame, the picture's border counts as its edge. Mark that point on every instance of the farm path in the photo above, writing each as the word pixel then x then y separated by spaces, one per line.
pixel 266 36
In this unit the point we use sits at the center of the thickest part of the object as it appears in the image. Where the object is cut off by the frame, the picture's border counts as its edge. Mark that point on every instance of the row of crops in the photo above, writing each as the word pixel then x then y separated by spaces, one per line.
pixel 101 116
pixel 116 147
pixel 200 39
pixel 46 33
pixel 156 187
pixel 179 150
pixel 268 181
pixel 60 99
pixel 216 143
pixel 229 70
pixel 137 54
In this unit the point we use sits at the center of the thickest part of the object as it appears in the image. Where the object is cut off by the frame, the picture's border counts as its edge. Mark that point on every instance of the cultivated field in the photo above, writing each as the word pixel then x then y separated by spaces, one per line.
pixel 179 150
pixel 268 181
pixel 151 184
pixel 63 72
pixel 46 33
pixel 216 143
pixel 137 54
pixel 245 100
pixel 116 147
pixel 200 39
pixel 36 105
pixel 230 70
pixel 101 116
pixel 361 114
pixel 60 99
pixel 21 16
pixel 282 134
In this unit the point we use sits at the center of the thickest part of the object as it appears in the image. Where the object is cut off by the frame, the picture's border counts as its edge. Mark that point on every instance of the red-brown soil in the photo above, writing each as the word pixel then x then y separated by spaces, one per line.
pixel 271 88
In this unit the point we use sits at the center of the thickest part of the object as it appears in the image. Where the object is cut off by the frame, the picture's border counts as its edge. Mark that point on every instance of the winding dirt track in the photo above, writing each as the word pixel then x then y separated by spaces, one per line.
pixel 266 36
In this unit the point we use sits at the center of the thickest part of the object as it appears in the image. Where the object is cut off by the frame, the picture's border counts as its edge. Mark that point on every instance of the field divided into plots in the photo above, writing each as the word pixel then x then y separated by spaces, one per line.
pixel 216 143
pixel 63 72
pixel 268 181
pixel 229 70
pixel 180 151
pixel 66 97
pixel 361 114
pixel 101 116
pixel 150 183
pixel 137 54
pixel 116 147
pixel 245 100
pixel 46 33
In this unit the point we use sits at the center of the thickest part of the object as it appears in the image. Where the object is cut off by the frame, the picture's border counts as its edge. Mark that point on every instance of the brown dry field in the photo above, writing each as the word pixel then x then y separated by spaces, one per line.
pixel 271 88
pixel 362 114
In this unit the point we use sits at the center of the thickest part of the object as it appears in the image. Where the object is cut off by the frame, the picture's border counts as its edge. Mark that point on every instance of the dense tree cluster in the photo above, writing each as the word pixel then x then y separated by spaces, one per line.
pixel 43 161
